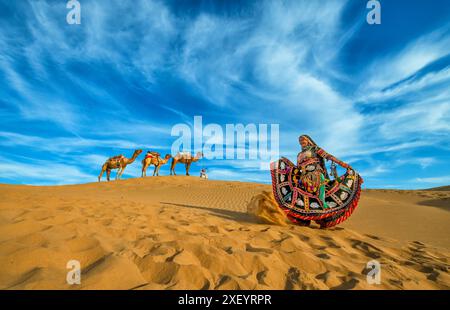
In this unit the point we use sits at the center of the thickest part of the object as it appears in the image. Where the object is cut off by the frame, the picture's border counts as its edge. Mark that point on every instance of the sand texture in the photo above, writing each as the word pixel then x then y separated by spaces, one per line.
pixel 190 233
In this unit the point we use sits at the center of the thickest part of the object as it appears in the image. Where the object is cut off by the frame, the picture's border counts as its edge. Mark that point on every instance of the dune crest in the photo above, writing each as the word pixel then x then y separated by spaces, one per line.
pixel 266 209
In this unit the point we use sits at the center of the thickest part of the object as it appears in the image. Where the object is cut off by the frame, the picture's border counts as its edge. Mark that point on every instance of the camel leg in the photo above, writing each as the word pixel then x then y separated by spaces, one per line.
pixel 121 172
pixel 118 173
pixel 188 166
pixel 157 170
pixel 172 167
pixel 144 170
pixel 154 170
pixel 108 174
pixel 101 172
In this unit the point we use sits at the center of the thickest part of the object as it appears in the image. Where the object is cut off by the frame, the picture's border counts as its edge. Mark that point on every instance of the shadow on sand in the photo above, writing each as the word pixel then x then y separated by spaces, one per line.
pixel 442 203
pixel 240 217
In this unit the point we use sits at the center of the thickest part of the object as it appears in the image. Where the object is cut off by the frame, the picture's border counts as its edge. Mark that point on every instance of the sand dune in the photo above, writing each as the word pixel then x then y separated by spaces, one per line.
pixel 190 233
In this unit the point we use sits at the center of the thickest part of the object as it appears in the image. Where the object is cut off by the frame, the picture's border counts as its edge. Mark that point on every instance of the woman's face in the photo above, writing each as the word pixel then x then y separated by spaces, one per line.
pixel 303 142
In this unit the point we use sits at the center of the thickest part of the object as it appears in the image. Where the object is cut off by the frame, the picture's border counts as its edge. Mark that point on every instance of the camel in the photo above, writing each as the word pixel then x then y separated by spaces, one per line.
pixel 117 162
pixel 157 161
pixel 186 158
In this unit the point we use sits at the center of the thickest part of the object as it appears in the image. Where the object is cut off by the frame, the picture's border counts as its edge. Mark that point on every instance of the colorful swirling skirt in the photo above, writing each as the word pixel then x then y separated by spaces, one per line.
pixel 341 196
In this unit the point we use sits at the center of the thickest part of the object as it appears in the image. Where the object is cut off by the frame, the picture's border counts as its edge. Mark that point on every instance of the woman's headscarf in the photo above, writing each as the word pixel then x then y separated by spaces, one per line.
pixel 321 159
pixel 308 138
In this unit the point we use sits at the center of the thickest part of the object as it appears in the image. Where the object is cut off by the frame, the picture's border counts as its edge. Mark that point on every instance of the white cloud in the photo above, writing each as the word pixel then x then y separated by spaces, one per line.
pixel 44 172
pixel 374 171
pixel 276 50
pixel 45 39
pixel 60 145
pixel 413 57
pixel 423 162
pixel 408 87
pixel 434 180
pixel 416 118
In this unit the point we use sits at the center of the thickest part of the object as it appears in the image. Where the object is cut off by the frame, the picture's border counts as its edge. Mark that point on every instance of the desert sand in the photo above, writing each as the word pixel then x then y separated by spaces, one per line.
pixel 190 233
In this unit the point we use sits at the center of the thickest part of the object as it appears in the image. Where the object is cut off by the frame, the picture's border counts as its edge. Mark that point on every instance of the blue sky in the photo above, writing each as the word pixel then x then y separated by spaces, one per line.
pixel 376 96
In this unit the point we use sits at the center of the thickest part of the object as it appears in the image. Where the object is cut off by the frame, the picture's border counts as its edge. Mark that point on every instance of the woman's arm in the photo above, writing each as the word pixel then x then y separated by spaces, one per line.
pixel 300 157
pixel 325 155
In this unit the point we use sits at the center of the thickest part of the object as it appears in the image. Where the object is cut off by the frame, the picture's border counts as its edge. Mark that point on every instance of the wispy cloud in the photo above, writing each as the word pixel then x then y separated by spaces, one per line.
pixel 43 172
pixel 400 64
pixel 434 180
pixel 111 85
pixel 66 145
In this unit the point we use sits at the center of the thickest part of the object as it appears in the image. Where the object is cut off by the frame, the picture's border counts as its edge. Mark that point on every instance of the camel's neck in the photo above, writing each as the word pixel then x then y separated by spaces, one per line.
pixel 133 158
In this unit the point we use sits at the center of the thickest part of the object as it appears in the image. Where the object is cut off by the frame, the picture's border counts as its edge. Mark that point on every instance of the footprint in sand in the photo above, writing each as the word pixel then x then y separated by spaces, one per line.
pixel 347 285
pixel 323 276
pixel 331 243
pixel 323 256
pixel 368 249
pixel 260 276
pixel 250 248
pixel 292 278
pixel 229 250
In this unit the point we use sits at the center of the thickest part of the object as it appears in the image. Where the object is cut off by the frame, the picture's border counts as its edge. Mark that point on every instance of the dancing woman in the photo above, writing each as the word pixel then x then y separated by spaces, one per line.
pixel 306 192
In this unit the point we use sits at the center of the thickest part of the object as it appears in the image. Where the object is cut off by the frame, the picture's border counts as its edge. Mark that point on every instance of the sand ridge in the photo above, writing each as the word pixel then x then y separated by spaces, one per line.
pixel 189 233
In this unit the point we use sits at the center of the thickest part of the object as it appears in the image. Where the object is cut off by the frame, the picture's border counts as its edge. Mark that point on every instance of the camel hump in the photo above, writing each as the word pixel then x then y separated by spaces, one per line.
pixel 185 154
pixel 117 157
pixel 151 154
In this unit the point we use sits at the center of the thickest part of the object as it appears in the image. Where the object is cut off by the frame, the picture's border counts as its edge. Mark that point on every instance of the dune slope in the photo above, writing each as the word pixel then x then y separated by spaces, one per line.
pixel 189 233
